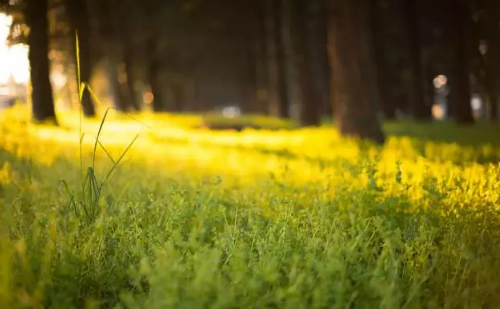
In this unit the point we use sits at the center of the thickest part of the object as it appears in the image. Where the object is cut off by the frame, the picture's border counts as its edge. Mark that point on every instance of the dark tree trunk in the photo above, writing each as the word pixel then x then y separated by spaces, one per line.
pixel 290 65
pixel 79 17
pixel 492 84
pixel 282 84
pixel 388 103
pixel 275 79
pixel 318 55
pixel 199 102
pixel 419 106
pixel 389 107
pixel 492 61
pixel 154 77
pixel 491 80
pixel 260 65
pixel 36 12
pixel 128 53
pixel 180 96
pixel 352 62
pixel 85 75
pixel 250 77
pixel 493 112
pixel 156 87
pixel 305 26
pixel 176 99
pixel 272 59
pixel 115 79
pixel 113 46
pixel 119 81
pixel 130 82
pixel 460 89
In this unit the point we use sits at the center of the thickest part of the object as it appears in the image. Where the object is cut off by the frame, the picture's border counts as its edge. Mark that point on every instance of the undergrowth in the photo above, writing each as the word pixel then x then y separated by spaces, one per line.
pixel 216 223
pixel 181 218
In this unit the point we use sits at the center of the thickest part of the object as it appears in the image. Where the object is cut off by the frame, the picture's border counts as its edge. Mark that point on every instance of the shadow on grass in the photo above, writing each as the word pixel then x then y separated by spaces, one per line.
pixel 463 144
pixel 240 123
pixel 479 134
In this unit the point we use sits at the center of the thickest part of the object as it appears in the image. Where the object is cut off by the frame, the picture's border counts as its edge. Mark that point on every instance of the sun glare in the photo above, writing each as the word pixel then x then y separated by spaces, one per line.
pixel 13 59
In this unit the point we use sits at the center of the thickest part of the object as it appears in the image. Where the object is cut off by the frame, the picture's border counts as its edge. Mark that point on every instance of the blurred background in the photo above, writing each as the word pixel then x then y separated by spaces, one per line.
pixel 251 57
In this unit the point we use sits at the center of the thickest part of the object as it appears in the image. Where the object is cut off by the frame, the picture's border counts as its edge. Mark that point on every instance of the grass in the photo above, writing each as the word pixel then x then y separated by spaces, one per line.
pixel 193 218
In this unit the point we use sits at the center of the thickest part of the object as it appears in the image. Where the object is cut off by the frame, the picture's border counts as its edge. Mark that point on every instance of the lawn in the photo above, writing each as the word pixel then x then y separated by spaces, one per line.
pixel 193 218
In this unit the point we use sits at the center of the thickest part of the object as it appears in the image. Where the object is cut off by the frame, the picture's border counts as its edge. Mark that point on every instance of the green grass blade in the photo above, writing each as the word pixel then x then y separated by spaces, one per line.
pixel 71 201
pixel 77 49
pixel 106 152
pixel 82 135
pixel 121 158
pixel 98 135
pixel 94 96
pixel 66 187
pixel 94 191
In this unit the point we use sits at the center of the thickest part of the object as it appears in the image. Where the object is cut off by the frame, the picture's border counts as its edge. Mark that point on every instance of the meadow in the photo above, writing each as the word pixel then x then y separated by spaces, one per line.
pixel 160 215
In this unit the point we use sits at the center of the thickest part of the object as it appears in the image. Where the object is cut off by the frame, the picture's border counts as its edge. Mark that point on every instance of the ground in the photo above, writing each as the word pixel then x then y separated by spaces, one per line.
pixel 193 218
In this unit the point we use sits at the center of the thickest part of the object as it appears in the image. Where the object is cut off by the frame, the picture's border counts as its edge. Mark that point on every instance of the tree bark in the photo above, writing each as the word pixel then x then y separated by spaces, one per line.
pixel 352 61
pixel 120 99
pixel 493 96
pixel 79 17
pixel 282 82
pixel 418 104
pixel 154 77
pixel 260 64
pixel 130 83
pixel 36 12
pixel 305 26
pixel 460 89
pixel 492 61
pixel 275 77
pixel 388 103
pixel 492 80
pixel 318 56
pixel 249 87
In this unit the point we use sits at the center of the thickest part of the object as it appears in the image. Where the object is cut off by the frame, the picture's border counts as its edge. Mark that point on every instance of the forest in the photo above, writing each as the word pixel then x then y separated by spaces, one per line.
pixel 250 154
pixel 279 58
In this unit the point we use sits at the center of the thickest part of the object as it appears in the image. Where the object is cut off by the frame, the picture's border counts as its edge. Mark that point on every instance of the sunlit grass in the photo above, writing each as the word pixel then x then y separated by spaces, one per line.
pixel 195 218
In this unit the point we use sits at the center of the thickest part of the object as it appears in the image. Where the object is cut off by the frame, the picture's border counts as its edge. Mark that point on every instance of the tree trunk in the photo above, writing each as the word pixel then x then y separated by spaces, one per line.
pixel 419 107
pixel 249 87
pixel 275 78
pixel 305 25
pixel 130 83
pixel 176 95
pixel 260 62
pixel 79 17
pixel 290 65
pixel 156 87
pixel 282 82
pixel 154 77
pixel 352 61
pixel 491 80
pixel 85 75
pixel 493 96
pixel 460 90
pixel 492 61
pixel 388 103
pixel 318 55
pixel 41 97
pixel 115 79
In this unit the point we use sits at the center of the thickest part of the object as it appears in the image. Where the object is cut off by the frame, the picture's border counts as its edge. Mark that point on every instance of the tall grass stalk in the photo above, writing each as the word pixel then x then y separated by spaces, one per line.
pixel 92 188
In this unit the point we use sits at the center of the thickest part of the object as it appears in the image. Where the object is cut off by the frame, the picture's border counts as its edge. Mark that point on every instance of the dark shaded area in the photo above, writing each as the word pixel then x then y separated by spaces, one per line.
pixel 38 39
pixel 288 59
pixel 483 133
